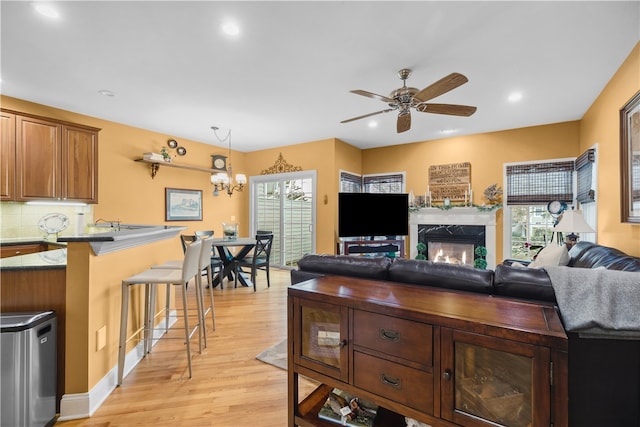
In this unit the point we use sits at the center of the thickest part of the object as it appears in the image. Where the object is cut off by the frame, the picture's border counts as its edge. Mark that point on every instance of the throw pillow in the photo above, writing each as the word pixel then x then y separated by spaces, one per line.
pixel 551 255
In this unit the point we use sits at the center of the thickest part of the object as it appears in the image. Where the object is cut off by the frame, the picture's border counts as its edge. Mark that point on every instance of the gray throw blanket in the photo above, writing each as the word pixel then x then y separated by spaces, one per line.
pixel 598 303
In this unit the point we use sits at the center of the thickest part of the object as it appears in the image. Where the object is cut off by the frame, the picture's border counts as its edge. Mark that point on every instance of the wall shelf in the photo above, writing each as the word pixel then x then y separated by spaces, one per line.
pixel 155 165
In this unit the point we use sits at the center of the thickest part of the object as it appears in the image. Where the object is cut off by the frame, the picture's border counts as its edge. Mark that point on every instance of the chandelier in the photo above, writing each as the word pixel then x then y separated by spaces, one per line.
pixel 223 181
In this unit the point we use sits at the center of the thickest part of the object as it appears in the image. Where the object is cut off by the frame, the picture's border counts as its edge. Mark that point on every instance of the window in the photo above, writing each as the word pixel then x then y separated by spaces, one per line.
pixel 383 183
pixel 531 186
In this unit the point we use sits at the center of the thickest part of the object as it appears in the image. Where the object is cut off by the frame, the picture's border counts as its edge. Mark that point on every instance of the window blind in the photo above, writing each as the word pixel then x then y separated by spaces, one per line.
pixel 350 183
pixel 539 183
pixel 584 172
pixel 391 183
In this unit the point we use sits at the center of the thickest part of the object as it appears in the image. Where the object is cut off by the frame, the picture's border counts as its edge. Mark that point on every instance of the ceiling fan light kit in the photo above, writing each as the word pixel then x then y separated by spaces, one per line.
pixel 405 98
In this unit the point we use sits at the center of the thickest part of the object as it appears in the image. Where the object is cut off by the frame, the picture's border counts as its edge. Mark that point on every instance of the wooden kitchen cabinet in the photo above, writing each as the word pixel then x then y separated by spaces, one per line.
pixel 48 159
pixel 443 358
pixel 79 163
pixel 7 155
pixel 7 251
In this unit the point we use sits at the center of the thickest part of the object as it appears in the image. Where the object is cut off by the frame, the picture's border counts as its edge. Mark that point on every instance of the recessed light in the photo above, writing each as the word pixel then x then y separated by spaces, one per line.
pixel 373 124
pixel 106 92
pixel 231 28
pixel 515 96
pixel 46 9
pixel 448 131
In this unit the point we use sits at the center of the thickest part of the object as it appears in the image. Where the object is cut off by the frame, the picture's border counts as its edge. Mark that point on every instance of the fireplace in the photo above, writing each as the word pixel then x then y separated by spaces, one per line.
pixel 453 233
pixel 450 243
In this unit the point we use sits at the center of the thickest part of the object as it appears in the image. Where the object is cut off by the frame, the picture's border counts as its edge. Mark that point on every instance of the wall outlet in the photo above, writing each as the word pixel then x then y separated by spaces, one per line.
pixel 101 338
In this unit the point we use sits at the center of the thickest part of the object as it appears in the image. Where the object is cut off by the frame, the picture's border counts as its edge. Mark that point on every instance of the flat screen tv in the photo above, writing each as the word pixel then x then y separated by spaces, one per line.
pixel 373 214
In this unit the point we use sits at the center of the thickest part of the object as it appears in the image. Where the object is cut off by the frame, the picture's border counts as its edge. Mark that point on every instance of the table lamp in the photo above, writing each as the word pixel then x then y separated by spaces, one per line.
pixel 573 222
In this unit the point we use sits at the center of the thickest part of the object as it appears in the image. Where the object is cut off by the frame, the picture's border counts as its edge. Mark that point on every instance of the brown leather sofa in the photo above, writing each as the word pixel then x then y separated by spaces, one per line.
pixel 604 374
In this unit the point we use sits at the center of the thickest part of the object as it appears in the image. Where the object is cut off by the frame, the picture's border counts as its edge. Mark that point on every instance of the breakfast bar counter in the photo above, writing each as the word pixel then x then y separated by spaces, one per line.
pixel 81 282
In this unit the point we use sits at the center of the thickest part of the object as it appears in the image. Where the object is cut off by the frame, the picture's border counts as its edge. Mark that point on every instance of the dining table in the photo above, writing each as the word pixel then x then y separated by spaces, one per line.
pixel 228 258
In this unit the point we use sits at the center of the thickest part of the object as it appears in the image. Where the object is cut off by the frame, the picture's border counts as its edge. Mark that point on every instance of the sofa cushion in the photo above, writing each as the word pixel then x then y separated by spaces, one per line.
pixel 345 265
pixel 526 283
pixel 441 275
pixel 551 254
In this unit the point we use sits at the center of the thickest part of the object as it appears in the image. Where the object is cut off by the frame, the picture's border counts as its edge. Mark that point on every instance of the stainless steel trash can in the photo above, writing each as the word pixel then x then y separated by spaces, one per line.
pixel 28 359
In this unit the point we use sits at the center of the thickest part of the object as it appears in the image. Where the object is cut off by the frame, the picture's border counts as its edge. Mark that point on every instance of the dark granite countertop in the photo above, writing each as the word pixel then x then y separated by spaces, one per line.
pixel 30 240
pixel 46 260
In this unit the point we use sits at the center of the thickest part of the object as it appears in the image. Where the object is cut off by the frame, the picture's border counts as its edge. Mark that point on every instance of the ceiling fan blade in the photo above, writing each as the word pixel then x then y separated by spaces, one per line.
pixel 450 109
pixel 404 122
pixel 373 95
pixel 442 86
pixel 367 115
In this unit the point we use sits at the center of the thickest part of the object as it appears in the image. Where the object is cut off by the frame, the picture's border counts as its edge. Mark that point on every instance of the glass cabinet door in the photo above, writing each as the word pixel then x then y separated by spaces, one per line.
pixel 323 338
pixel 492 379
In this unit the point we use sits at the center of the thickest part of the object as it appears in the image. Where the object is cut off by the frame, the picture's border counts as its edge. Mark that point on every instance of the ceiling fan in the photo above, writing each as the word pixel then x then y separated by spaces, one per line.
pixel 405 98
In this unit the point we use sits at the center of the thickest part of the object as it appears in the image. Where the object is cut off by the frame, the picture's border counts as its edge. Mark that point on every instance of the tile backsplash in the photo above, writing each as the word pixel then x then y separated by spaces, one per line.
pixel 19 220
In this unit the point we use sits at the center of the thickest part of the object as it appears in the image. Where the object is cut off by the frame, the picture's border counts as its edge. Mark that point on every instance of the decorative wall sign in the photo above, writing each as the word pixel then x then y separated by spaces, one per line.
pixel 281 166
pixel 452 181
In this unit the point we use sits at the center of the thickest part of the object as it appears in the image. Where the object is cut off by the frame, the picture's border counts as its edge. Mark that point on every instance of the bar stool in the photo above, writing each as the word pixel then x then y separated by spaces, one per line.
pixel 150 278
pixel 204 264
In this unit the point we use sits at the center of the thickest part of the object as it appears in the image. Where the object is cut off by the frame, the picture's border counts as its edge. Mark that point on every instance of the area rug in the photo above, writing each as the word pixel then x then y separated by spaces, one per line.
pixel 275 355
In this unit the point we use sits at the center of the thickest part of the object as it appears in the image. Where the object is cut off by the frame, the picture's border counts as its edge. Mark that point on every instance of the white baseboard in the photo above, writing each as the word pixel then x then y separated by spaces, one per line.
pixel 83 405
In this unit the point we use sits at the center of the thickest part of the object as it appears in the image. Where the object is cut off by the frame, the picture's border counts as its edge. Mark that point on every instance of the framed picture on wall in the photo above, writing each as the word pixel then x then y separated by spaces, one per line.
pixel 183 205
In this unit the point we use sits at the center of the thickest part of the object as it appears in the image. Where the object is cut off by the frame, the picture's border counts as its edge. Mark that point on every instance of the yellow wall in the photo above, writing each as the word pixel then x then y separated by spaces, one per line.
pixel 601 125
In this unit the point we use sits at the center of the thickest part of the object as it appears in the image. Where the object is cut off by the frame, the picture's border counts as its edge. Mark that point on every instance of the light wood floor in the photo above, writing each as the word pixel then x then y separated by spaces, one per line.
pixel 230 387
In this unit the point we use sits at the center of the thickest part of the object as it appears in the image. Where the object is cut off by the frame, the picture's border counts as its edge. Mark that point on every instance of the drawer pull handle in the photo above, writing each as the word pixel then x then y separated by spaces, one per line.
pixel 446 375
pixel 389 335
pixel 393 382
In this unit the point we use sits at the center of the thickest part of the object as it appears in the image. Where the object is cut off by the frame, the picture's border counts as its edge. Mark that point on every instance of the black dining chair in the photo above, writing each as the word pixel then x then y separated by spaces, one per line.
pixel 216 262
pixel 258 260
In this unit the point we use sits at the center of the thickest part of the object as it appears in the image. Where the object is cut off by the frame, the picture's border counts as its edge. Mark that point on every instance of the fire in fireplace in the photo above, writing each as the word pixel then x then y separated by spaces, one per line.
pixel 453 244
pixel 451 253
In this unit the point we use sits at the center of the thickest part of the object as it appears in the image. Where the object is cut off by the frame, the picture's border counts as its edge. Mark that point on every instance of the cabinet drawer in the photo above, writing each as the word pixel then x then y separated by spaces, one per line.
pixel 15 250
pixel 390 335
pixel 402 384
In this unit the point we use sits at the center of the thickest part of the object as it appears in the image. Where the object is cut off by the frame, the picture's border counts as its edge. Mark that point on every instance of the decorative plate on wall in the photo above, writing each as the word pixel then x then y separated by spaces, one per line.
pixel 53 223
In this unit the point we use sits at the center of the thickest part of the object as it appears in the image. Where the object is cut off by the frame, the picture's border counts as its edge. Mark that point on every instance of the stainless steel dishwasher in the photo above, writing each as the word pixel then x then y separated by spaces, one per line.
pixel 28 359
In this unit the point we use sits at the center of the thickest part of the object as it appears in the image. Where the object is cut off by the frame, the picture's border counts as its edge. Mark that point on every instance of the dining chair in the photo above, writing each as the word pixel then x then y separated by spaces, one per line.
pixel 258 260
pixel 150 278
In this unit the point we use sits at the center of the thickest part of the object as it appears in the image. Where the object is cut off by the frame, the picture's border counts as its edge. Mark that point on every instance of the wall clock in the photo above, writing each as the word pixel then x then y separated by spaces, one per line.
pixel 219 163
pixel 556 207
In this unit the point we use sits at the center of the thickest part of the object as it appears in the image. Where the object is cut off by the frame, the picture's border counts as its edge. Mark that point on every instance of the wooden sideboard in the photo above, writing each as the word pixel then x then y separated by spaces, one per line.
pixel 441 357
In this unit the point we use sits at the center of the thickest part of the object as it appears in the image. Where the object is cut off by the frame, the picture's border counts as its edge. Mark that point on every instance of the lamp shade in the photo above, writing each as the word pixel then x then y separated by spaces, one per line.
pixel 573 221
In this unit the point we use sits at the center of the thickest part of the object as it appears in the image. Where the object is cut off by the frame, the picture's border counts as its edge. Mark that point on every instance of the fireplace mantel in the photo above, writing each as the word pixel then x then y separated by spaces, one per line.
pixel 456 216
